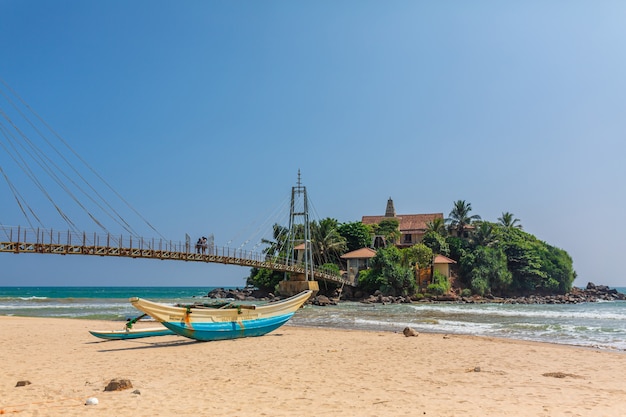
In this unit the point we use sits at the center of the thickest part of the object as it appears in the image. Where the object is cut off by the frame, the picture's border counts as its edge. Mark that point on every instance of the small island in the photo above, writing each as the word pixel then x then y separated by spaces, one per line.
pixel 426 257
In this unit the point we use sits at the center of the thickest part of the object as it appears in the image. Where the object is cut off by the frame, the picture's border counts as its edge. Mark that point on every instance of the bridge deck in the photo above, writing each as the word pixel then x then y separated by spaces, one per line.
pixel 16 240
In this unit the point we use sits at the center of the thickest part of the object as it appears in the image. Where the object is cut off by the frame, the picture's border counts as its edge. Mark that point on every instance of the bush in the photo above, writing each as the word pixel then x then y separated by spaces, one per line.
pixel 387 274
pixel 370 282
pixel 440 284
pixel 435 289
pixel 330 268
pixel 480 285
pixel 265 279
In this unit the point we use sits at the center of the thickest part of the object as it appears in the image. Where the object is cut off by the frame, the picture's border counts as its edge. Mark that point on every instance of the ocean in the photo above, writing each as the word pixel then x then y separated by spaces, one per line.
pixel 599 325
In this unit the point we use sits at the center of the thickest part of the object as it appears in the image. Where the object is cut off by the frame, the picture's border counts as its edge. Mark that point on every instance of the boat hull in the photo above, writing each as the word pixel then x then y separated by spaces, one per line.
pixel 131 334
pixel 222 324
pixel 230 330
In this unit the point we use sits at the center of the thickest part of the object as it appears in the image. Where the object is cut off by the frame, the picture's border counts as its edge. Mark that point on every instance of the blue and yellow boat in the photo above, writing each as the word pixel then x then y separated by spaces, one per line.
pixel 228 322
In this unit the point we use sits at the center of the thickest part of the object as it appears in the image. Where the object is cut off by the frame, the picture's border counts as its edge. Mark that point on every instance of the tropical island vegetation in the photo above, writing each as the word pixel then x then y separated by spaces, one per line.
pixel 492 258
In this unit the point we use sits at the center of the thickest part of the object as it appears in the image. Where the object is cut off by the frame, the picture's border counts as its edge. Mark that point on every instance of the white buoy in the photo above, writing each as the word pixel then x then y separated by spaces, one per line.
pixel 91 401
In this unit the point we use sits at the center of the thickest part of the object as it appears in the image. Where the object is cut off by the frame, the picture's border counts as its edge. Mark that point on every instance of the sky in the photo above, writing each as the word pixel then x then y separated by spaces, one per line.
pixel 201 113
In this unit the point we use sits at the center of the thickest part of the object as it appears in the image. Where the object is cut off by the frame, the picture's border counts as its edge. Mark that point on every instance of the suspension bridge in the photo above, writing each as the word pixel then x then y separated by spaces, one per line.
pixel 18 240
pixel 57 162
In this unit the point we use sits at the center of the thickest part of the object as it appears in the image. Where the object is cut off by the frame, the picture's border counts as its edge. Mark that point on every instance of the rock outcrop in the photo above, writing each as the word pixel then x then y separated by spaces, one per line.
pixel 118 384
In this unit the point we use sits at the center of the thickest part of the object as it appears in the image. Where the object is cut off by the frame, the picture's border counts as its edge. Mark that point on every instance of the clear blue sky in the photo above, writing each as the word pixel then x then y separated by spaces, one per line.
pixel 200 114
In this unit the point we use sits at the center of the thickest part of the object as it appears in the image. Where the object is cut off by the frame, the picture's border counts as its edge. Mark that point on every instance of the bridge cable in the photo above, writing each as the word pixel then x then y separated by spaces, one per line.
pixel 41 160
pixel 17 197
pixel 58 136
pixel 257 232
pixel 30 174
pixel 268 219
pixel 276 247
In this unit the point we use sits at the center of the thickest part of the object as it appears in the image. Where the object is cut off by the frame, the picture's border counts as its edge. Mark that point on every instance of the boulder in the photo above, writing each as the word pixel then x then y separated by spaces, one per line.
pixel 408 332
pixel 322 300
pixel 118 384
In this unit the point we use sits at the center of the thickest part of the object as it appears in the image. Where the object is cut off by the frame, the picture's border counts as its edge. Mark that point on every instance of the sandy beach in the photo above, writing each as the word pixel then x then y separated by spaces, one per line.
pixel 297 371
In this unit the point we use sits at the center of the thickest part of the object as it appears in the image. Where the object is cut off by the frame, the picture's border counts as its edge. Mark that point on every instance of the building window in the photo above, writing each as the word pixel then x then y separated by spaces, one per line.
pixel 408 238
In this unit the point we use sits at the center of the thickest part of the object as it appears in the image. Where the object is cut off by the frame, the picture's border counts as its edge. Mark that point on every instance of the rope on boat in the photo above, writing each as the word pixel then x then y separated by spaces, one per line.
pixel 130 323
pixel 239 307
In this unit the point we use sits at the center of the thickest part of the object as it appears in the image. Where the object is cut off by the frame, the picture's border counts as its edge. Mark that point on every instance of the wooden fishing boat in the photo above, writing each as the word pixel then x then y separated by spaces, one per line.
pixel 229 322
pixel 131 333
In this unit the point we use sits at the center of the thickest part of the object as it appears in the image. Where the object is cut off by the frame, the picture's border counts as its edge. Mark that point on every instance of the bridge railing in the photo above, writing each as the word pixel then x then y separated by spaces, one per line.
pixel 50 236
pixel 23 237
pixel 18 234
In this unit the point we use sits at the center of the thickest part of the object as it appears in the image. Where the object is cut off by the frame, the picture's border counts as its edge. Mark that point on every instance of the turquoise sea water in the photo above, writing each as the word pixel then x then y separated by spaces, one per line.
pixel 101 303
pixel 601 325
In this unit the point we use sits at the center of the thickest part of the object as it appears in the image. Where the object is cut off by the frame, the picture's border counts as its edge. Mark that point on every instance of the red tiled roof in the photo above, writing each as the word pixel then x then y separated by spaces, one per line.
pixel 408 222
pixel 363 253
pixel 440 259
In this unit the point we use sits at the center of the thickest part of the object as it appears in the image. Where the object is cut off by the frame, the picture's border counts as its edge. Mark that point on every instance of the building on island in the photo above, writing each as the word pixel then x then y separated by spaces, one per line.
pixel 356 261
pixel 412 226
pixel 442 264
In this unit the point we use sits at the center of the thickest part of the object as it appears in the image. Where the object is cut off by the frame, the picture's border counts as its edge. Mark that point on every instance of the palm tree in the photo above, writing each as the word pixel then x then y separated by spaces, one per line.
pixel 459 217
pixel 509 220
pixel 276 246
pixel 438 225
pixel 327 243
pixel 483 235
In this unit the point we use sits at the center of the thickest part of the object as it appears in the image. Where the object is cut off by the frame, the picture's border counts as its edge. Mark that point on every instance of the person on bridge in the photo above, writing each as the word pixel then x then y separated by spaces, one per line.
pixel 204 245
pixel 198 245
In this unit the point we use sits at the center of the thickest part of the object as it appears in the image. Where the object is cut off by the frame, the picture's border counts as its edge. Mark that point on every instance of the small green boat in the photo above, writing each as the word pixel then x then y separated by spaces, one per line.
pixel 131 333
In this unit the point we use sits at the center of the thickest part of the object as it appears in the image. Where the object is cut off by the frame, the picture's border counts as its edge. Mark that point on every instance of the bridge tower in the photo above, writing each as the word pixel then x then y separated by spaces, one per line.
pixel 299 247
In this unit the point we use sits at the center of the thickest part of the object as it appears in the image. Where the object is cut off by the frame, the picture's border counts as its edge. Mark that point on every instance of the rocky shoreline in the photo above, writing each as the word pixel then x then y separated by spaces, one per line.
pixel 590 294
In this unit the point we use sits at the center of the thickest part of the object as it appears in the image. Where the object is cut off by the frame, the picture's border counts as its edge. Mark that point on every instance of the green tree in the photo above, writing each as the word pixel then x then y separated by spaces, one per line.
pixel 489 272
pixel 508 220
pixel 557 264
pixel 387 274
pixel 357 235
pixel 437 225
pixel 264 279
pixel 418 255
pixel 458 247
pixel 484 234
pixel 389 228
pixel 276 247
pixel 436 243
pixel 460 218
pixel 504 259
pixel 370 281
pixel 524 257
pixel 328 244
pixel 525 264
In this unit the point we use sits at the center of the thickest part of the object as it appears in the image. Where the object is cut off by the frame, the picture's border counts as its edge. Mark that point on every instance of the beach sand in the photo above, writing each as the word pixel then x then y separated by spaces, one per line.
pixel 297 371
